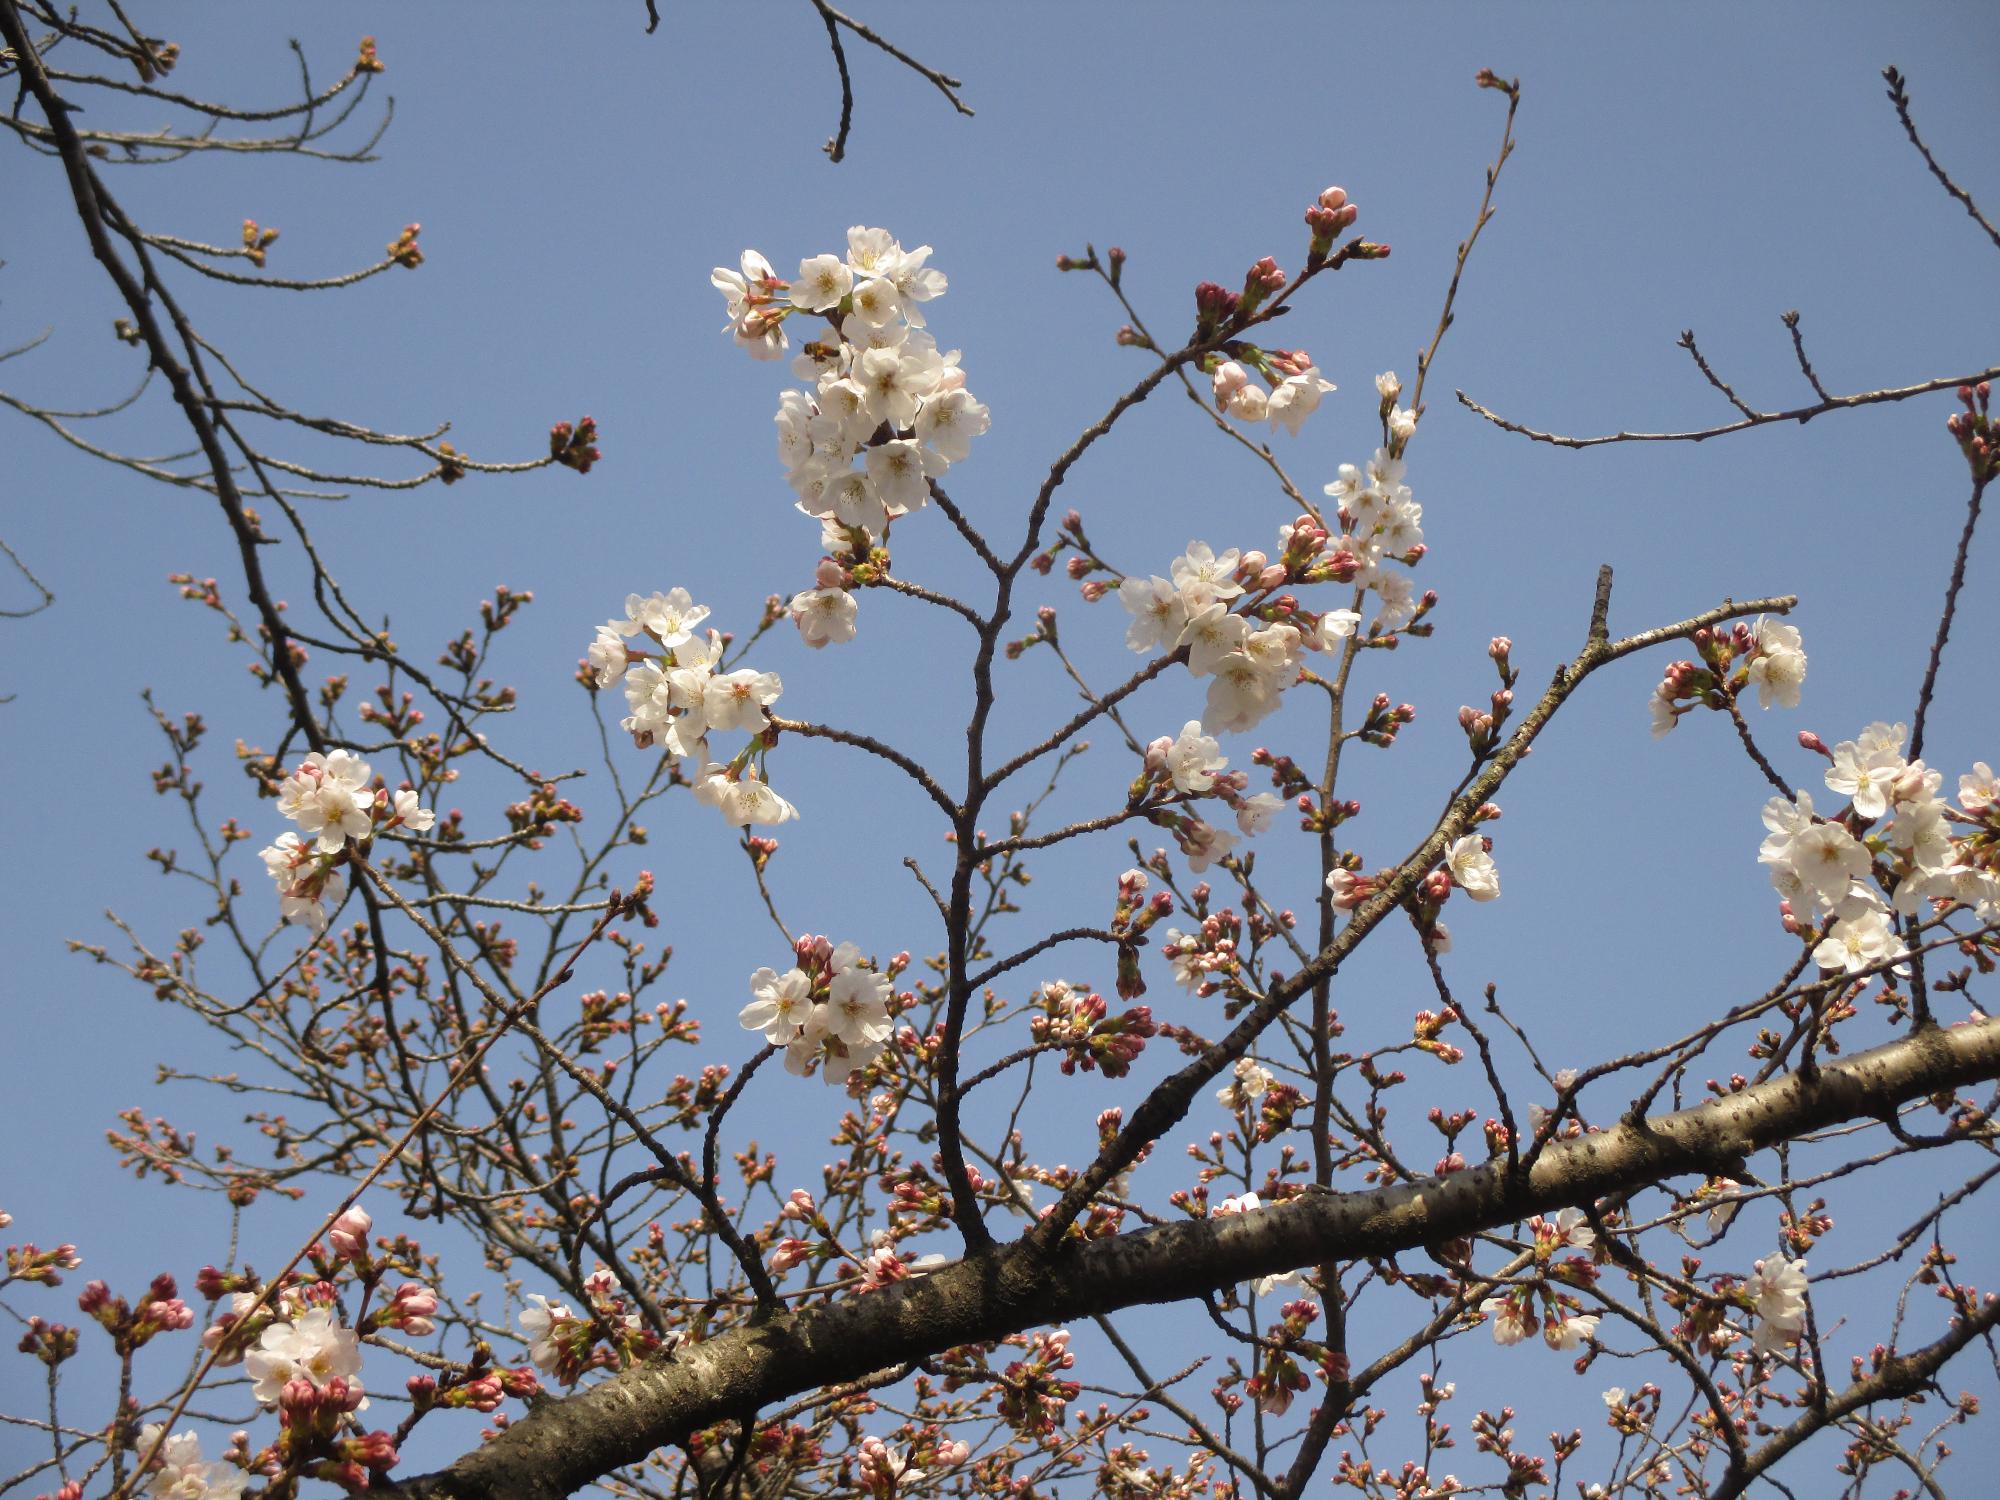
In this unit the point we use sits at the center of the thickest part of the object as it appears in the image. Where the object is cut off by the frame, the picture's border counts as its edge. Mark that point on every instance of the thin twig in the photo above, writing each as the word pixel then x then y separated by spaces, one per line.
pixel 1944 619
pixel 1799 414
pixel 1513 91
pixel 1791 322
pixel 41 588
pixel 1899 95
pixel 945 84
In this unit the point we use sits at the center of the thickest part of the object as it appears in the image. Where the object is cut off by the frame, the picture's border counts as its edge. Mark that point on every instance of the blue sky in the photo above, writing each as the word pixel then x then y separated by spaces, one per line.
pixel 1687 166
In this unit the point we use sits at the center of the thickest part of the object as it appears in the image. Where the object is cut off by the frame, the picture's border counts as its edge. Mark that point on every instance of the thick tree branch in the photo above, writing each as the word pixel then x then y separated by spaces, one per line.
pixel 563 1445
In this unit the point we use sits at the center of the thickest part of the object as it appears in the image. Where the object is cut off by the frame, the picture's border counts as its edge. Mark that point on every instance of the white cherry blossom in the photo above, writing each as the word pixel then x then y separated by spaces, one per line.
pixel 949 421
pixel 1778 1288
pixel 1780 666
pixel 1241 695
pixel 780 1006
pixel 737 700
pixel 824 616
pixel 1472 868
pixel 1336 625
pixel 749 801
pixel 1255 814
pixel 1203 578
pixel 1212 633
pixel 901 475
pixel 1296 398
pixel 1193 760
pixel 1159 613
pixel 822 282
pixel 540 1324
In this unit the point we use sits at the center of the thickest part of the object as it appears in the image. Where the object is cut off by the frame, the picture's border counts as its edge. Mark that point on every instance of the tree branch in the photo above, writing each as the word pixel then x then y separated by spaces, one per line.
pixel 564 1444
pixel 1799 414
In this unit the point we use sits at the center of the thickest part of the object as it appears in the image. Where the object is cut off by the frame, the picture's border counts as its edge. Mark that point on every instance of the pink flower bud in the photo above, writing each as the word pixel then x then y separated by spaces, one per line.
pixel 413 1306
pixel 830 574
pixel 1272 576
pixel 1252 564
pixel 349 1233
pixel 1810 741
pixel 1333 197
pixel 376 1451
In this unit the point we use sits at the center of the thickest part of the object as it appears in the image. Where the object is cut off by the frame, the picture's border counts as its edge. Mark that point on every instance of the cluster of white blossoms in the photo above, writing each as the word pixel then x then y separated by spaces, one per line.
pixel 1514 1317
pixel 830 1008
pixel 1192 765
pixel 1772 657
pixel 1838 870
pixel 1244 633
pixel 679 694
pixel 1517 1311
pixel 887 411
pixel 1776 1292
pixel 1294 394
pixel 313 1347
pixel 1248 667
pixel 178 1472
pixel 1248 1082
pixel 332 797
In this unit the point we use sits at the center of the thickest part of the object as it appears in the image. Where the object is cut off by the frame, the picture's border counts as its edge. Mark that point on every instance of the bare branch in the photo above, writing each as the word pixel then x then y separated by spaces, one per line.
pixel 1899 95
pixel 944 83
pixel 1799 414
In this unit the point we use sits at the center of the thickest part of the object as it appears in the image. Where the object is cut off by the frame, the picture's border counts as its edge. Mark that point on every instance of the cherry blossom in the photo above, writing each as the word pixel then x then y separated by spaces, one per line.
pixel 329 796
pixel 782 1003
pixel 1512 1318
pixel 1779 668
pixel 544 1324
pixel 1472 868
pixel 313 1347
pixel 1204 578
pixel 1296 398
pixel 1159 613
pixel 824 616
pixel 179 1472
pixel 822 282
pixel 1777 1293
